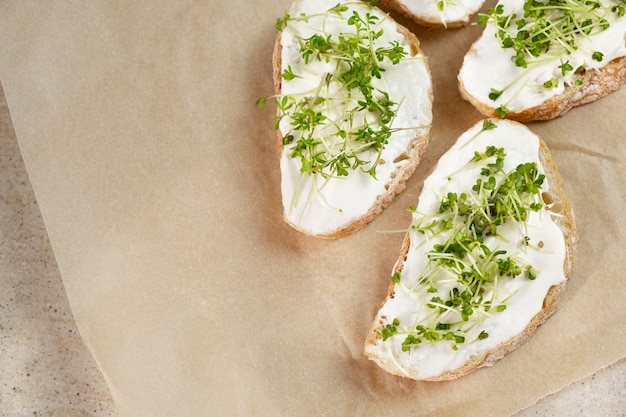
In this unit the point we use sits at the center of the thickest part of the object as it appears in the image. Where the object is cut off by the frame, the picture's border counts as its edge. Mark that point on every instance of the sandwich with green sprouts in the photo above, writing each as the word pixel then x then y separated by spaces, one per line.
pixel 489 250
pixel 537 59
pixel 353 113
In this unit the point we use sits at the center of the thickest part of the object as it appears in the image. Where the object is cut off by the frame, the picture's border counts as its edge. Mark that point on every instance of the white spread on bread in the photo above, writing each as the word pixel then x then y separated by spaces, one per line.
pixel 544 250
pixel 488 65
pixel 441 11
pixel 319 206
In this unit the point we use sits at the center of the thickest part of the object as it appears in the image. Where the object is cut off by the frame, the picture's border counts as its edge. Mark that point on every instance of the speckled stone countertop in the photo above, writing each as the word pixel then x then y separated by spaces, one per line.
pixel 45 368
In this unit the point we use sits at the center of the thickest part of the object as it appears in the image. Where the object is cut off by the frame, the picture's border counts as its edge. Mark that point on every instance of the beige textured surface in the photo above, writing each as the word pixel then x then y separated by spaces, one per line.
pixel 45 368
pixel 47 371
pixel 129 117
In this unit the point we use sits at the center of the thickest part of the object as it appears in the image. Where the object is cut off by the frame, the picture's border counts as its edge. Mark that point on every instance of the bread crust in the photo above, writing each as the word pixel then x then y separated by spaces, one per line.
pixel 561 205
pixel 399 7
pixel 595 85
pixel 415 151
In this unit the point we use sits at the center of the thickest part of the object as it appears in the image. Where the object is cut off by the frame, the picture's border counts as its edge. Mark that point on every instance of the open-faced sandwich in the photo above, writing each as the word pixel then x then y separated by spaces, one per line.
pixel 354 109
pixel 536 59
pixel 490 247
pixel 439 14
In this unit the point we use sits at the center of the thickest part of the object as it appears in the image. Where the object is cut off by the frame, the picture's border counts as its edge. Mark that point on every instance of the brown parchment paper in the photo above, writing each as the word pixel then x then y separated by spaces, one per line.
pixel 158 182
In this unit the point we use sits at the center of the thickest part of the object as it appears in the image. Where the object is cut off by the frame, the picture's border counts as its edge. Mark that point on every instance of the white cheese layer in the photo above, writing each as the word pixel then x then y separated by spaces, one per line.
pixel 525 296
pixel 487 65
pixel 449 11
pixel 312 203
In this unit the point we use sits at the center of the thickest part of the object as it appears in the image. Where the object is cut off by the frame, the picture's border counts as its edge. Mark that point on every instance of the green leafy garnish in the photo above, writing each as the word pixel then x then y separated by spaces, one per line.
pixel 547 31
pixel 362 113
pixel 565 67
pixel 546 24
pixel 288 74
pixel 390 329
pixel 501 111
pixel 488 125
pixel 551 83
pixel 495 94
pixel 464 220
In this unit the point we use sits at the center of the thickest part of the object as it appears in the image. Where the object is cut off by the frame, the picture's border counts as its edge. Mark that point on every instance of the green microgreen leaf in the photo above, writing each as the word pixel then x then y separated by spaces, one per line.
pixel 288 74
pixel 488 125
pixel 261 102
pixel 551 83
pixel 390 329
pixel 282 23
pixel 495 94
pixel 619 10
pixel 501 111
pixel 565 67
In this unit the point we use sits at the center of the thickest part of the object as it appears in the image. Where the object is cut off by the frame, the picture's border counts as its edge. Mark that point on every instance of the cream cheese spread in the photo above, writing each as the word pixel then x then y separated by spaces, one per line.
pixel 319 205
pixel 488 65
pixel 443 11
pixel 544 251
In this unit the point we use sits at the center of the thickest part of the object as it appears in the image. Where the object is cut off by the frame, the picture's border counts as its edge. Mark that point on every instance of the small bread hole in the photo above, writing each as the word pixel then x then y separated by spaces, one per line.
pixel 556 207
pixel 547 198
pixel 402 157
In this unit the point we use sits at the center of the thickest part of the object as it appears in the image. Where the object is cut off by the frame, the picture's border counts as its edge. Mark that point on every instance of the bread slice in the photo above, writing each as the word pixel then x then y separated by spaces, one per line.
pixel 578 67
pixel 427 288
pixel 436 14
pixel 328 205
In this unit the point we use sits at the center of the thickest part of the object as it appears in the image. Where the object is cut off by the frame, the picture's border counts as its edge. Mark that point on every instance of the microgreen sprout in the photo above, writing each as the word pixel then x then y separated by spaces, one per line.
pixel 501 111
pixel 488 124
pixel 460 281
pixel 441 8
